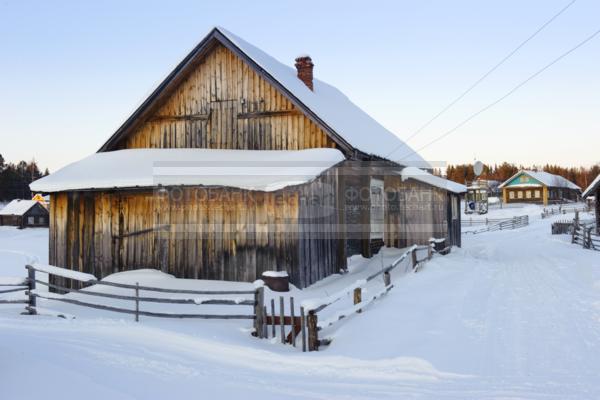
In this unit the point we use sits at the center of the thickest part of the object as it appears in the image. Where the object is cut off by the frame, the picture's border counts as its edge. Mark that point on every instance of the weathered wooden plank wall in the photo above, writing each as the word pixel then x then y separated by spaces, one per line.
pixel 224 104
pixel 415 212
pixel 321 235
pixel 216 233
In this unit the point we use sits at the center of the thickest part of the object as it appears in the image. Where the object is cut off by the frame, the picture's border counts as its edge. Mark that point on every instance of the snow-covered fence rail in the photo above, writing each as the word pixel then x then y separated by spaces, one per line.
pixel 509 224
pixel 313 307
pixel 14 285
pixel 210 297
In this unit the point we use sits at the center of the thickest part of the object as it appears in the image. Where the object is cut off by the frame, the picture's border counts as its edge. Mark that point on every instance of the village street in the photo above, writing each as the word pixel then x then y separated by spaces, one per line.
pixel 514 314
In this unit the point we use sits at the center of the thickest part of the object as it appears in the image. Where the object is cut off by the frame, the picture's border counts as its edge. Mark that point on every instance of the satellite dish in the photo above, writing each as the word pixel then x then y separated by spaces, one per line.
pixel 478 168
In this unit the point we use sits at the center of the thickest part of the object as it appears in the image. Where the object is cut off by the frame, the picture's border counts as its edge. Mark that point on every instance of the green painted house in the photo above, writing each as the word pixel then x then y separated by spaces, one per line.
pixel 539 188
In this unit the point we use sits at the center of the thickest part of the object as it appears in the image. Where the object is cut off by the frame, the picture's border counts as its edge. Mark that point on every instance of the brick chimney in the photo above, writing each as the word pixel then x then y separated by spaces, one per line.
pixel 304 66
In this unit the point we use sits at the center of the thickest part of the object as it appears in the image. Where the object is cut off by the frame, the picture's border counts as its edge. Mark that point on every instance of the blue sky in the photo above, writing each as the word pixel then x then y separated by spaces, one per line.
pixel 71 72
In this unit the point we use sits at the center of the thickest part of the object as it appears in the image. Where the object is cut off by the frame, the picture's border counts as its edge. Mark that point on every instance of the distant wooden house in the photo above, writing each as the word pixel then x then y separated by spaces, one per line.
pixel 539 188
pixel 238 164
pixel 594 191
pixel 24 213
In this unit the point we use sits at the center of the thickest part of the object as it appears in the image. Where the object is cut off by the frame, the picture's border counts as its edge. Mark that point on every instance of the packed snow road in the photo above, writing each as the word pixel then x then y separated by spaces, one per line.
pixel 512 315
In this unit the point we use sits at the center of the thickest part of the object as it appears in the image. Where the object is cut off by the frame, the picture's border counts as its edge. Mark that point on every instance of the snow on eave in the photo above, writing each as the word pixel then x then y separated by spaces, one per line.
pixel 592 188
pixel 432 180
pixel 259 170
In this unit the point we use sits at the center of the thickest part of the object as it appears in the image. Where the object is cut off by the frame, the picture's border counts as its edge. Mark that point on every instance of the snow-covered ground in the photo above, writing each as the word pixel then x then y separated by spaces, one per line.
pixel 511 315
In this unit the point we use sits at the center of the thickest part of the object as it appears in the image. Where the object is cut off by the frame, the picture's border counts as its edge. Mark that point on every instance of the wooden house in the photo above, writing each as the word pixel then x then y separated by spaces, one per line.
pixel 539 188
pixel 24 213
pixel 238 164
pixel 594 191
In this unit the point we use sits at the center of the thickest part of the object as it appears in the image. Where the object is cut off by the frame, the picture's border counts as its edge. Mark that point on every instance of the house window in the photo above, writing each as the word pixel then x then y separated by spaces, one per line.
pixel 511 195
pixel 528 194
pixel 538 194
pixel 520 194
pixel 31 220
pixel 41 221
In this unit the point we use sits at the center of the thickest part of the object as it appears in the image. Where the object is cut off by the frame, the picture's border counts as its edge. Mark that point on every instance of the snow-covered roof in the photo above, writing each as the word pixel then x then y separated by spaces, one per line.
pixel 264 170
pixel 334 110
pixel 18 207
pixel 436 181
pixel 546 178
pixel 592 188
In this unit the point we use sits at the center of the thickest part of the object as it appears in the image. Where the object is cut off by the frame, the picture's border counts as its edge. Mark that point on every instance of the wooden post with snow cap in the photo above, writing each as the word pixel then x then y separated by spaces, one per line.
pixel 413 255
pixel 31 306
pixel 259 318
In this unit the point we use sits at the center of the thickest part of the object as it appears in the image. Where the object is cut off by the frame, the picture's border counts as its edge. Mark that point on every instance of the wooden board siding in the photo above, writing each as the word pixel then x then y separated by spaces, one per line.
pixel 415 212
pixel 217 233
pixel 224 104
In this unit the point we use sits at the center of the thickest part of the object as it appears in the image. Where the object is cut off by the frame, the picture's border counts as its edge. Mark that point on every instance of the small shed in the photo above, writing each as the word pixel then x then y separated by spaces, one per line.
pixel 539 188
pixel 24 213
pixel 594 191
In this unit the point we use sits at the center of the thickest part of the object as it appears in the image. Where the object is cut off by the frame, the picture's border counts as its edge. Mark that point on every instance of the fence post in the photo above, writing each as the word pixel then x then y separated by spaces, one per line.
pixel 313 334
pixel 31 286
pixel 259 319
pixel 273 318
pixel 387 279
pixel 293 321
pixel 430 251
pixel 137 302
pixel 282 318
pixel 303 328
pixel 413 255
pixel 358 297
pixel 265 326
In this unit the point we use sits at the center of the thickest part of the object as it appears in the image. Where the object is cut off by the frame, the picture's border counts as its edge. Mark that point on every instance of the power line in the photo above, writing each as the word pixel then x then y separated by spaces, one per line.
pixel 510 92
pixel 484 76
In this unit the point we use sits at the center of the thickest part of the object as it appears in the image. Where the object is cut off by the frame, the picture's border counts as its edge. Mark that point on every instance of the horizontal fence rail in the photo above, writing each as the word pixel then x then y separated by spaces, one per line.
pixel 508 224
pixel 311 308
pixel 137 299
pixel 548 212
pixel 15 285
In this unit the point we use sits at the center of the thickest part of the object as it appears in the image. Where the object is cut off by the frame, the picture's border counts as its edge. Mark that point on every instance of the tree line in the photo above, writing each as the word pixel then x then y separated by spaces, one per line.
pixel 15 179
pixel 581 176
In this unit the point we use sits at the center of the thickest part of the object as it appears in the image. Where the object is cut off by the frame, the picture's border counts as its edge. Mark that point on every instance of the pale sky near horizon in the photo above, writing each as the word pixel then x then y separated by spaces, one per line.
pixel 72 72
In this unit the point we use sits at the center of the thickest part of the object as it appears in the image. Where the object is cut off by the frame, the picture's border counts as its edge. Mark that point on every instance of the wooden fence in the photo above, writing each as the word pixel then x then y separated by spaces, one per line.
pixel 585 235
pixel 508 224
pixel 15 285
pixel 482 221
pixel 290 328
pixel 563 210
pixel 309 318
pixel 29 286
